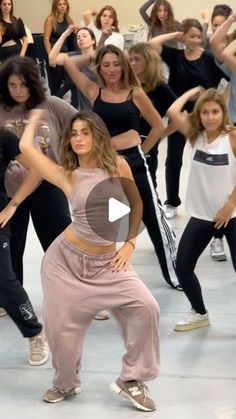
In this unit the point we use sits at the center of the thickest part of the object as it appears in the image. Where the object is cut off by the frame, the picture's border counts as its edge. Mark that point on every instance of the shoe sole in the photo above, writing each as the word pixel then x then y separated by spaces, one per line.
pixel 222 258
pixel 185 328
pixel 76 391
pixel 116 389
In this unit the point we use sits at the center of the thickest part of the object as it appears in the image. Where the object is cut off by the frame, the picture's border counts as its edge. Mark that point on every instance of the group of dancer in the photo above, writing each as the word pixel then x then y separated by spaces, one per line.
pixel 113 138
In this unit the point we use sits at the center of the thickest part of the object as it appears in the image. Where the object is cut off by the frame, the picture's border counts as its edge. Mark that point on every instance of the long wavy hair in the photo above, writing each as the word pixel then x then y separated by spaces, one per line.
pixel 210 95
pixel 54 13
pixel 114 16
pixel 103 151
pixel 128 77
pixel 170 24
pixel 27 70
pixel 153 71
pixel 12 17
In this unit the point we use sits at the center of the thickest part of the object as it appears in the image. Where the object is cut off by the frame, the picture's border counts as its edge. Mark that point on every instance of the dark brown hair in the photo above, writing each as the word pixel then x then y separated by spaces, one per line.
pixel 27 70
pixel 114 16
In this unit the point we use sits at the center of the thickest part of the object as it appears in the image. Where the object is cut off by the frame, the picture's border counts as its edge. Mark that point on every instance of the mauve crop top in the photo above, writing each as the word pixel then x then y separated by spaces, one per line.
pixel 118 117
pixel 90 204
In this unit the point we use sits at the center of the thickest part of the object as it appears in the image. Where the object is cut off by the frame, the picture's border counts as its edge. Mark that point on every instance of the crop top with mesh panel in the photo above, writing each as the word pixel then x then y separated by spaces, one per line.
pixel 118 117
pixel 90 206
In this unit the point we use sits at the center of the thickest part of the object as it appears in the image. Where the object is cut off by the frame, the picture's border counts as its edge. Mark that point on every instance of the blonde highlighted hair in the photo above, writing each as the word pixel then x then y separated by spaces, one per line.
pixel 103 151
pixel 153 71
pixel 210 95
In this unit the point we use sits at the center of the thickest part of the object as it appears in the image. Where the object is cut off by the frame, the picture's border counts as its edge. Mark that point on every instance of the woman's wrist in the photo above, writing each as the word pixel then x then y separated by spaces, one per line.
pixel 131 243
pixel 14 203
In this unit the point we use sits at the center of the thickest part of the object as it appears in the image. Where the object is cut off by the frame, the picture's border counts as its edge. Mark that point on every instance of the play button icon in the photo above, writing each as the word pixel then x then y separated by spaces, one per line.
pixel 116 210
pixel 107 209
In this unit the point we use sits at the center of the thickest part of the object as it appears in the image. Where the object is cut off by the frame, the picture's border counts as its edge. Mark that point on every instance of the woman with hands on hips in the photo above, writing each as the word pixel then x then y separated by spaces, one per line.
pixel 83 272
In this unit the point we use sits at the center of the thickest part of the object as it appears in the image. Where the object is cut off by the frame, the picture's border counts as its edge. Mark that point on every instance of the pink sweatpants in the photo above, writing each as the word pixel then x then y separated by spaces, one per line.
pixel 76 286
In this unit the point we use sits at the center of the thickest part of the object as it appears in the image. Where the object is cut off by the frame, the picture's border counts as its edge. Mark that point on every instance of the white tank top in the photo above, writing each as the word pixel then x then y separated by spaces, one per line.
pixel 212 177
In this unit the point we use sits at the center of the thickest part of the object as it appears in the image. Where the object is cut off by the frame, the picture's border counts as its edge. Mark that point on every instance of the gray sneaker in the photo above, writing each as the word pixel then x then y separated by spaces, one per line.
pixel 55 395
pixel 192 321
pixel 136 392
pixel 217 250
pixel 38 350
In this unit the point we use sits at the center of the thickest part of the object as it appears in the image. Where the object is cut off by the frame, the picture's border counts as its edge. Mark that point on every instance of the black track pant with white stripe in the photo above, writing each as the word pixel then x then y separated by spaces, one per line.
pixel 159 230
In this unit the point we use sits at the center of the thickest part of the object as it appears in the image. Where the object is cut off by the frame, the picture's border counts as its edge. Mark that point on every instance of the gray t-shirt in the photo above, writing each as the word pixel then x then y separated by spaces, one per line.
pixel 231 103
pixel 47 138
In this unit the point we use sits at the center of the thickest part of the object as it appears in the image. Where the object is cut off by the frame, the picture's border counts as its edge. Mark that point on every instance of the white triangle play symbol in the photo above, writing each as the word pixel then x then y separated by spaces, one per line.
pixel 116 209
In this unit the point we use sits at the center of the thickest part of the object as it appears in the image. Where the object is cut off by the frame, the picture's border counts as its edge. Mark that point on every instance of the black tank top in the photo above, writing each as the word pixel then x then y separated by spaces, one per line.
pixel 118 117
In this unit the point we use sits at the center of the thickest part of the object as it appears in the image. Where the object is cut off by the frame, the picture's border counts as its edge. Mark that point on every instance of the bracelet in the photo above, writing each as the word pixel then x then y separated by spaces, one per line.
pixel 13 203
pixel 130 242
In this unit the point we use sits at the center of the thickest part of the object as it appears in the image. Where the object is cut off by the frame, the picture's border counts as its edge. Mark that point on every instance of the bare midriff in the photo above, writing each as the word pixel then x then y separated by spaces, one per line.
pixel 126 140
pixel 88 247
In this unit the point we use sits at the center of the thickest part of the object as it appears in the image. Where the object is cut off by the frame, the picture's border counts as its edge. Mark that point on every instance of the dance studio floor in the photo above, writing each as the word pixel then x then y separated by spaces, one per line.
pixel 198 368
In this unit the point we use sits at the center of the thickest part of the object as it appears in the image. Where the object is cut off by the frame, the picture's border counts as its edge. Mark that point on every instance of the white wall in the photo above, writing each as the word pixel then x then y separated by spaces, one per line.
pixel 34 12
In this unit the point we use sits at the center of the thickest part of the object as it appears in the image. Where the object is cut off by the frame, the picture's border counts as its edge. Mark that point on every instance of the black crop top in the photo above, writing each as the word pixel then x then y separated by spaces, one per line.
pixel 118 117
pixel 13 31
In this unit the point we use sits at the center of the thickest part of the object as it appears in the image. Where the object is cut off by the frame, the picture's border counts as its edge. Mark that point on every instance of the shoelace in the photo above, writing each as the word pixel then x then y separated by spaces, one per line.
pixel 36 345
pixel 143 388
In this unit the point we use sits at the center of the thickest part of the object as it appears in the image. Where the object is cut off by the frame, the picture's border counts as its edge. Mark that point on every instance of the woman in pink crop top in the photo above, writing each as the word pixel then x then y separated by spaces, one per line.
pixel 81 278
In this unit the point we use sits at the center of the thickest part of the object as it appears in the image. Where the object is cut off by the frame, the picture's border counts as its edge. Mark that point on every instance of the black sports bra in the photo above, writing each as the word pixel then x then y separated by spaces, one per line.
pixel 118 117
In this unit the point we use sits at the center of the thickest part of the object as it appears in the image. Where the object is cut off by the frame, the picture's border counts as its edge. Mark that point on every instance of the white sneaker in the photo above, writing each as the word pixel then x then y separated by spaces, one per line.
pixel 217 250
pixel 38 350
pixel 170 212
pixel 102 315
pixel 2 312
pixel 192 321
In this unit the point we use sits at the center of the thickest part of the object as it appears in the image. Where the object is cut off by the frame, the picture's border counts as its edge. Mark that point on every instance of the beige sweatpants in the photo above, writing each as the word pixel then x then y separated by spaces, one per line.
pixel 76 286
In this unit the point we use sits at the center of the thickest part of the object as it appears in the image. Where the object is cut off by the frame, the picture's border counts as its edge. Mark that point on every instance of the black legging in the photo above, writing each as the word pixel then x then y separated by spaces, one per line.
pixel 12 295
pixel 48 207
pixel 175 149
pixel 194 240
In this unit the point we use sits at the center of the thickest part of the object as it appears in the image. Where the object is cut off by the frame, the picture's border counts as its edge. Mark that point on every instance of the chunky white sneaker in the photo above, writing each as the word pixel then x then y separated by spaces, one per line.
pixel 55 395
pixel 2 312
pixel 102 315
pixel 38 350
pixel 170 212
pixel 192 321
pixel 217 250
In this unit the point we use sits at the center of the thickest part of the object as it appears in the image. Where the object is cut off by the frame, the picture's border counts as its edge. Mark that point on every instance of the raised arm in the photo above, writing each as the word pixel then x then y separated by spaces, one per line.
pixel 180 118
pixel 229 56
pixel 143 11
pixel 159 40
pixel 72 65
pixel 46 168
pixel 55 56
pixel 205 15
pixel 218 40
pixel 153 118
